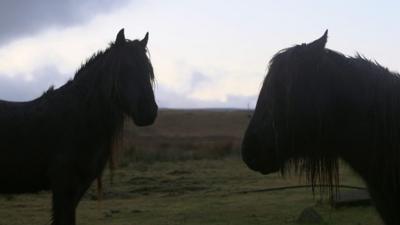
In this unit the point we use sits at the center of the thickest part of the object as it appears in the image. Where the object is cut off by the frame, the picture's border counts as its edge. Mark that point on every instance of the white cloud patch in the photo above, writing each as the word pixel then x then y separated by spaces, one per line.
pixel 168 98
pixel 205 53
pixel 192 69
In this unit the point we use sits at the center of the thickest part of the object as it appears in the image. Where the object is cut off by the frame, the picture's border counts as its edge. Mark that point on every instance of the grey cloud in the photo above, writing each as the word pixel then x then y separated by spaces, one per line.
pixel 25 17
pixel 18 89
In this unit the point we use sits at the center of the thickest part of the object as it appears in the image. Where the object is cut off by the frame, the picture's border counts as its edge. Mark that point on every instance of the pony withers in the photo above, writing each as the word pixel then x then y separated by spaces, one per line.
pixel 62 140
pixel 316 106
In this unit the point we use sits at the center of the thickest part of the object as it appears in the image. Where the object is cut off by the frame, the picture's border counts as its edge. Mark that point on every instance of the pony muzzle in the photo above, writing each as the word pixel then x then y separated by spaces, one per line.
pixel 145 118
pixel 255 156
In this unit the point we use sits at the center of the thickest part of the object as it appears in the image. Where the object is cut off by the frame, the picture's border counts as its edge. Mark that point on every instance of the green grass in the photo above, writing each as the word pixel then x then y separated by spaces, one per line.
pixel 195 192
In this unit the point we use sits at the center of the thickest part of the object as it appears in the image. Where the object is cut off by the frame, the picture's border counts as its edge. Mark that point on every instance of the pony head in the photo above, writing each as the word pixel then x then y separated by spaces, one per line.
pixel 135 79
pixel 289 124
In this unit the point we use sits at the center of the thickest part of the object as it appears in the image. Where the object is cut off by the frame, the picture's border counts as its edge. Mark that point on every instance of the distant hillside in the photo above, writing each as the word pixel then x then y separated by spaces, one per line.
pixel 184 134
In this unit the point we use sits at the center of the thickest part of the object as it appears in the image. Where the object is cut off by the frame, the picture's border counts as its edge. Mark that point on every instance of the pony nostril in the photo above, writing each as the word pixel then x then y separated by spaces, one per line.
pixel 252 163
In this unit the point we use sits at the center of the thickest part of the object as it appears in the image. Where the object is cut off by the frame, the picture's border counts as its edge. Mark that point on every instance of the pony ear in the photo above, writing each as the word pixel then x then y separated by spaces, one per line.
pixel 320 42
pixel 120 40
pixel 144 41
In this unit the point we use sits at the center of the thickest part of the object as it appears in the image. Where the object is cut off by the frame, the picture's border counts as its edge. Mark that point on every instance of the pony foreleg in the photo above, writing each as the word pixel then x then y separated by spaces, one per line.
pixel 65 202
pixel 64 205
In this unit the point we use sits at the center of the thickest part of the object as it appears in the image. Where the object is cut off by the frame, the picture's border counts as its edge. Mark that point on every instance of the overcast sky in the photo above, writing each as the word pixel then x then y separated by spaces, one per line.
pixel 206 53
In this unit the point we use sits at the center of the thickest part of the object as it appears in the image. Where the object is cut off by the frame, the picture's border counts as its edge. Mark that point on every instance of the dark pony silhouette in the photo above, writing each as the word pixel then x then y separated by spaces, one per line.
pixel 316 106
pixel 62 140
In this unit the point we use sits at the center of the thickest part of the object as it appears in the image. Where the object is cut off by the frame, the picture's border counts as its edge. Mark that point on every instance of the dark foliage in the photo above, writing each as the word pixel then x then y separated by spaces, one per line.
pixel 316 106
pixel 62 140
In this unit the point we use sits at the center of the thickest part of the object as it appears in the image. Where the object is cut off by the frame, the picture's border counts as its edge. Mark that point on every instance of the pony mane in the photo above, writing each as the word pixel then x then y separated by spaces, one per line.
pixel 370 65
pixel 102 55
pixel 321 169
pixel 93 71
pixel 384 103
pixel 385 109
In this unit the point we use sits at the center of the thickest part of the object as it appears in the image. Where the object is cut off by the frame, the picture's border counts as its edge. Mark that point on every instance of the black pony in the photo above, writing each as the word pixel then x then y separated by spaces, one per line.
pixel 317 105
pixel 62 140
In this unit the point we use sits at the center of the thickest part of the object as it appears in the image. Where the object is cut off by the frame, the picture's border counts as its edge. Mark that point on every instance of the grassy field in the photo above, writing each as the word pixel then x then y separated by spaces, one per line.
pixel 194 192
pixel 186 170
pixel 186 134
